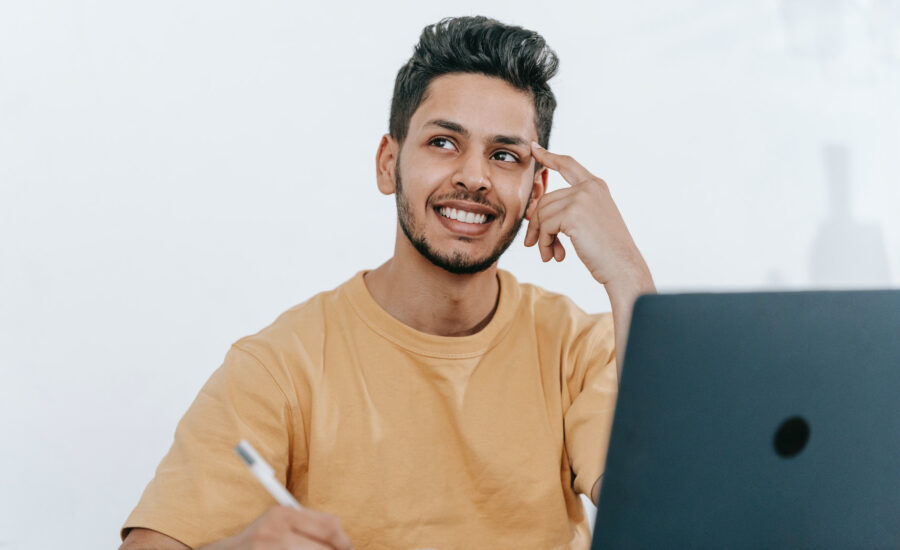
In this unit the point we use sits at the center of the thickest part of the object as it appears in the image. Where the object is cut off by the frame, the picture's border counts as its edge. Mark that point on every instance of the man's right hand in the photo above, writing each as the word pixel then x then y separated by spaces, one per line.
pixel 283 528
pixel 280 528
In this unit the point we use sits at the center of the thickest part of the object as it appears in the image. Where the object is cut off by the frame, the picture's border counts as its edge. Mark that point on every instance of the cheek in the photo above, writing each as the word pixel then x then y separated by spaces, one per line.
pixel 418 190
pixel 525 192
pixel 426 181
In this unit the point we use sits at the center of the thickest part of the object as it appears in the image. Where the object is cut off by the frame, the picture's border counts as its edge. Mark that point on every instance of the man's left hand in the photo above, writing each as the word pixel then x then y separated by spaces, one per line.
pixel 586 213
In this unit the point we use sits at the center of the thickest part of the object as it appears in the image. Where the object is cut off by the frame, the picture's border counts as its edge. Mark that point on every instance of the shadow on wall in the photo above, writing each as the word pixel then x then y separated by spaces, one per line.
pixel 845 253
pixel 856 43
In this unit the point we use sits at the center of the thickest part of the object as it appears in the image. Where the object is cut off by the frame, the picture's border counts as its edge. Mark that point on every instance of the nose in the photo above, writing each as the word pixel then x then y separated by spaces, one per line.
pixel 473 172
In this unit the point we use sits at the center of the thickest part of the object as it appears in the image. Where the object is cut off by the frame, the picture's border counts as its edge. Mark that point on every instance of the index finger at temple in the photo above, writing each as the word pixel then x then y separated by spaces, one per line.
pixel 573 172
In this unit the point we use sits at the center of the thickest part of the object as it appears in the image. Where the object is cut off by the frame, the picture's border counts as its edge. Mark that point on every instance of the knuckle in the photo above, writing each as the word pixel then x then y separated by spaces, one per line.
pixel 276 511
pixel 332 526
pixel 263 536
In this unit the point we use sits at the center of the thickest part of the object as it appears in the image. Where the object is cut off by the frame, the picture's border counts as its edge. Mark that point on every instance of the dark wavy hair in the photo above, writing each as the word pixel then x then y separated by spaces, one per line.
pixel 477 45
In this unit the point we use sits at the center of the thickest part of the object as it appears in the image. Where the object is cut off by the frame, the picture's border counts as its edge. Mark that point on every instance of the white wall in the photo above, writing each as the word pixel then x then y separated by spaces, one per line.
pixel 175 174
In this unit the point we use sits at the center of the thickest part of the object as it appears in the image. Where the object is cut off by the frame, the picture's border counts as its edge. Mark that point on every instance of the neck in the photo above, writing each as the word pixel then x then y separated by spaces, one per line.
pixel 431 299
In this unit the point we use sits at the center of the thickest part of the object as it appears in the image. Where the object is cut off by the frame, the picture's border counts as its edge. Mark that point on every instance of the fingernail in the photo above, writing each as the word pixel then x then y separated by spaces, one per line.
pixel 537 145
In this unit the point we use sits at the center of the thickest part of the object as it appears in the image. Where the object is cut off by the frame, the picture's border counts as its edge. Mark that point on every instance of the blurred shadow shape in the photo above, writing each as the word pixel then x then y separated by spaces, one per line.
pixel 845 253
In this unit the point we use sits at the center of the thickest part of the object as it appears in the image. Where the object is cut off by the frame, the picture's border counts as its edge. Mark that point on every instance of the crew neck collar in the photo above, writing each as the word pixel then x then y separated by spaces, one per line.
pixel 433 345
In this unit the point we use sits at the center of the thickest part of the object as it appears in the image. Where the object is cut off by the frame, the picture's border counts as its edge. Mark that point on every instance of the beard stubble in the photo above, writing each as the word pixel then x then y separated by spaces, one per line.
pixel 458 263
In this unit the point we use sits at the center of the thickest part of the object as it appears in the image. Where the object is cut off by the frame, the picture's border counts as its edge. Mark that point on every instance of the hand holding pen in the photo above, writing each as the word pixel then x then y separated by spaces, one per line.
pixel 286 526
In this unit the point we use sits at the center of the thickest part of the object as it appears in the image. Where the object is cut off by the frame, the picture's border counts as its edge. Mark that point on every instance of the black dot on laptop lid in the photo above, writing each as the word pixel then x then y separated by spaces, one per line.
pixel 791 437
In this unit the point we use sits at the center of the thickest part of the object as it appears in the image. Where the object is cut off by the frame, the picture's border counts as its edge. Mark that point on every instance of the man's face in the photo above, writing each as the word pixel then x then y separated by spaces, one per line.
pixel 465 174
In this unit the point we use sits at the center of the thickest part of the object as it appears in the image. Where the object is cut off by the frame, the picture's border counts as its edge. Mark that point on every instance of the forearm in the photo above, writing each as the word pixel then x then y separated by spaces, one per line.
pixel 147 539
pixel 622 294
pixel 224 544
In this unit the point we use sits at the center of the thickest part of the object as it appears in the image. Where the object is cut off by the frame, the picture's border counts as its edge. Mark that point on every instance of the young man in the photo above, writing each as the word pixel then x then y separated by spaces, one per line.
pixel 433 402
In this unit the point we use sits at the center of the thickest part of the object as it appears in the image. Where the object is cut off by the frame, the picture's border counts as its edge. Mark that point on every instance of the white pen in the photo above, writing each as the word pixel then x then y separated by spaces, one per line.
pixel 265 474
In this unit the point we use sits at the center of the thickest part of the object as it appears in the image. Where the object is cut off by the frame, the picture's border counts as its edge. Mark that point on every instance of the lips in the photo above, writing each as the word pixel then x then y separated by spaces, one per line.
pixel 468 206
pixel 462 215
pixel 464 221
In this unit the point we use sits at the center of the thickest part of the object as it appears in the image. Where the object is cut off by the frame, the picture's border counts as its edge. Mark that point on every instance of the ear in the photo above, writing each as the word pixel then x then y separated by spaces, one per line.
pixel 538 188
pixel 386 164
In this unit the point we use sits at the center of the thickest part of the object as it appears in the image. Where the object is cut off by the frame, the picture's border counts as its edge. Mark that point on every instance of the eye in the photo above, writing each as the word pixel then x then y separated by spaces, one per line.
pixel 443 143
pixel 505 156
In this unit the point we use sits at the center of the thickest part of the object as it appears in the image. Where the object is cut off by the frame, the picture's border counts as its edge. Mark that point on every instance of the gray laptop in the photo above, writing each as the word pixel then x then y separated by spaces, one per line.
pixel 758 420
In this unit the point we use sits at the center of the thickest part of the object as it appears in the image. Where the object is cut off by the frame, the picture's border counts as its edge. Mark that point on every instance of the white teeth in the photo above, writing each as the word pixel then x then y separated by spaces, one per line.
pixel 462 215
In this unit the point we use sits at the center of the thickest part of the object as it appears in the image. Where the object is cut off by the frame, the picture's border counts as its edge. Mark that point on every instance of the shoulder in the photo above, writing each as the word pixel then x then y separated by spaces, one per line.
pixel 558 319
pixel 304 321
pixel 296 337
pixel 555 307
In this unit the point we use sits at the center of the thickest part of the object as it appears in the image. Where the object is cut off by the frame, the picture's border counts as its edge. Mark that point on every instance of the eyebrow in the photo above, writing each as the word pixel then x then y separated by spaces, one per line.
pixel 457 128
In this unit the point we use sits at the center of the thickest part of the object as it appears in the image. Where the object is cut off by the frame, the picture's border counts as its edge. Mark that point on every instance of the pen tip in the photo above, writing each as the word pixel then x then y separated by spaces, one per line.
pixel 245 456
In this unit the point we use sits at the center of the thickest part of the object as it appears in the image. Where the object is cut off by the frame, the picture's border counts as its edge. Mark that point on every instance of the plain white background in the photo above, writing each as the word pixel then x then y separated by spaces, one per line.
pixel 173 175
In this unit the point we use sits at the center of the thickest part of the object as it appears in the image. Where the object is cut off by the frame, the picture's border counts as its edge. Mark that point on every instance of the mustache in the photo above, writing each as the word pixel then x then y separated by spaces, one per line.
pixel 470 197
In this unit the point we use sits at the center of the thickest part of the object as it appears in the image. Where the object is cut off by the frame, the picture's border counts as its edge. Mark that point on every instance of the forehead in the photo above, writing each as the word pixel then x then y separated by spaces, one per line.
pixel 484 105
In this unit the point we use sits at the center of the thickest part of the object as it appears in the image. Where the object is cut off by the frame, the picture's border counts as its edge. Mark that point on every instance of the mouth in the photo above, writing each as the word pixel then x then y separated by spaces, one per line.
pixel 464 216
pixel 469 220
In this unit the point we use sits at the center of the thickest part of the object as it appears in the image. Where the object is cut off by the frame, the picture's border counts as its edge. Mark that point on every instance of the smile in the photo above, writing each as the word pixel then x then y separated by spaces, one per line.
pixel 462 215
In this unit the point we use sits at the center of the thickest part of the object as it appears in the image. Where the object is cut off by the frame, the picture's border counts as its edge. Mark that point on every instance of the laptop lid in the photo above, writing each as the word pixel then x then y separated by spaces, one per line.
pixel 757 420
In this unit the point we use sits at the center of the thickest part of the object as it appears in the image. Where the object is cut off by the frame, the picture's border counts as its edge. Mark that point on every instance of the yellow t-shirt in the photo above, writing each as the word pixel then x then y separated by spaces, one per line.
pixel 412 440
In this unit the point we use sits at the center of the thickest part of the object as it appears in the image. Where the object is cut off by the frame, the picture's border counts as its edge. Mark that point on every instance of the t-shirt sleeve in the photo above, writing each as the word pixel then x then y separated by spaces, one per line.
pixel 592 384
pixel 202 492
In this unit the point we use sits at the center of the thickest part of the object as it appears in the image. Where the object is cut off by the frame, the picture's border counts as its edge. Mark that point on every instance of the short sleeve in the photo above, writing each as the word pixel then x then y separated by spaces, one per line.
pixel 592 384
pixel 202 492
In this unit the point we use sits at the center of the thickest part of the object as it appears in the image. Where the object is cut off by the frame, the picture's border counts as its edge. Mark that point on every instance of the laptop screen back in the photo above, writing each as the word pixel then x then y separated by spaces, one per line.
pixel 759 420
